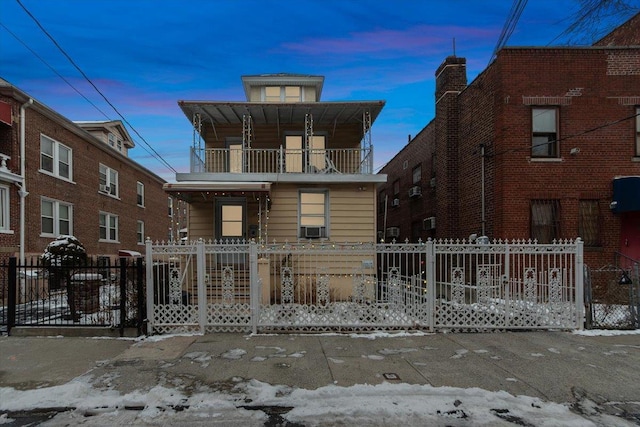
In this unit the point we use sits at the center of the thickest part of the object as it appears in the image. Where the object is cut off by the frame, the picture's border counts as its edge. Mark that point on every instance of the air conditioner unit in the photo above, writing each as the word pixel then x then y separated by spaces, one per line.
pixel 429 223
pixel 415 191
pixel 104 188
pixel 393 231
pixel 432 183
pixel 395 202
pixel 313 232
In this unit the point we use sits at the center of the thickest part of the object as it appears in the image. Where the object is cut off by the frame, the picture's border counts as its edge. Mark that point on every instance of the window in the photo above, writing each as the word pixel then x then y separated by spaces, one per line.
pixel 56 217
pixel 170 204
pixel 4 208
pixel 544 142
pixel 272 94
pixel 140 194
pixel 112 140
pixel 638 131
pixel 396 187
pixel 589 222
pixel 108 227
pixel 55 158
pixel 313 214
pixel 545 220
pixel 140 232
pixel 282 94
pixel 417 174
pixel 108 181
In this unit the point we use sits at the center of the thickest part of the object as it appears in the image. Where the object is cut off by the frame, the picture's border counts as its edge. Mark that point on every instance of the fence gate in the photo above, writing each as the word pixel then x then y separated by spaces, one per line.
pixel 613 297
pixel 241 286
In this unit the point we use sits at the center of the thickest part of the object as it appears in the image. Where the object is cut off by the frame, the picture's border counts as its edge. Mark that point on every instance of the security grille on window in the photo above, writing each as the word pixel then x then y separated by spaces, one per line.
pixel 313 223
pixel 55 158
pixel 545 220
pixel 56 217
pixel 108 227
pixel 589 222
pixel 544 141
pixel 108 181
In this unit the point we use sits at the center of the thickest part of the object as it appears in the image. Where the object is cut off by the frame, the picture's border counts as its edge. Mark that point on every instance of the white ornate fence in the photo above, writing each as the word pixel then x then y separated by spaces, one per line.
pixel 435 285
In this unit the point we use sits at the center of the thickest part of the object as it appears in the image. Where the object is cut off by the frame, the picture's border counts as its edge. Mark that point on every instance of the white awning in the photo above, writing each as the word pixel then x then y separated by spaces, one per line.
pixel 189 186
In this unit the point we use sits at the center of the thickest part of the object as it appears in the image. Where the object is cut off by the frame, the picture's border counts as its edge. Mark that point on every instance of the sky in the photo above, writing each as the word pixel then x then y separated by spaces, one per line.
pixel 382 404
pixel 146 55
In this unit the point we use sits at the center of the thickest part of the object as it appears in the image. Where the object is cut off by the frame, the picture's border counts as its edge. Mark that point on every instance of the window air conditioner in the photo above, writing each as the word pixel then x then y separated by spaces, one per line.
pixel 395 202
pixel 312 232
pixel 104 188
pixel 393 231
pixel 415 191
pixel 429 223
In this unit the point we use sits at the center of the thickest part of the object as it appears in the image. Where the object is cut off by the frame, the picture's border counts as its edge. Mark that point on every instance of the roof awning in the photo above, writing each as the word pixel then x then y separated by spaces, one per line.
pixel 197 186
pixel 128 253
pixel 626 194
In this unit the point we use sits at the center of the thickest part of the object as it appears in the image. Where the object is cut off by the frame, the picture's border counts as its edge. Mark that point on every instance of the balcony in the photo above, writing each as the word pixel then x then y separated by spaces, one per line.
pixel 357 161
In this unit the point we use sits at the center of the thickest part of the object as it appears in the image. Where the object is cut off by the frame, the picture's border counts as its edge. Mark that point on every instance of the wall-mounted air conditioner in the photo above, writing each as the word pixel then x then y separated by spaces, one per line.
pixel 393 231
pixel 415 191
pixel 429 223
pixel 313 232
pixel 395 202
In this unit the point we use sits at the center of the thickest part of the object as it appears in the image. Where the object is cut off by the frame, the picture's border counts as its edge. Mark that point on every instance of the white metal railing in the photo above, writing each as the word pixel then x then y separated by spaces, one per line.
pixel 283 160
pixel 246 286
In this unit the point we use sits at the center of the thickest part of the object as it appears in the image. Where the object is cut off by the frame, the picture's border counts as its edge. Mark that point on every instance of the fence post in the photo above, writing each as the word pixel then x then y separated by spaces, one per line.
pixel 123 294
pixel 202 292
pixel 431 284
pixel 579 272
pixel 148 255
pixel 255 292
pixel 12 293
pixel 506 279
pixel 139 295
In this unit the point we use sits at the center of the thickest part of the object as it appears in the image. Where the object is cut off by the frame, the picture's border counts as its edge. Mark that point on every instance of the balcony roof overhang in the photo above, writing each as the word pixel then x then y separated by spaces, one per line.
pixel 189 190
pixel 267 113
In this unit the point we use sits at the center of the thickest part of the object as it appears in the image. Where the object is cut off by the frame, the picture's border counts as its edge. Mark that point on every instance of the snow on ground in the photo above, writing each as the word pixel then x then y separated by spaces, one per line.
pixel 375 405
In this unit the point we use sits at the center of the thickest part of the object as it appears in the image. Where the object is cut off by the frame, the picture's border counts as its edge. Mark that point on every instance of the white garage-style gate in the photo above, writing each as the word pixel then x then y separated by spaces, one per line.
pixel 433 285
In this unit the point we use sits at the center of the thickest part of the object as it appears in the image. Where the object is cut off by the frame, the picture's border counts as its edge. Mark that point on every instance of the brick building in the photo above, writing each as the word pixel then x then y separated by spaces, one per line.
pixel 543 144
pixel 59 177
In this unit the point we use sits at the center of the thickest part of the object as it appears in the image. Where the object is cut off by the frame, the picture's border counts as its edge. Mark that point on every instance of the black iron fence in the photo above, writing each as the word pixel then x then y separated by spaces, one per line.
pixel 97 292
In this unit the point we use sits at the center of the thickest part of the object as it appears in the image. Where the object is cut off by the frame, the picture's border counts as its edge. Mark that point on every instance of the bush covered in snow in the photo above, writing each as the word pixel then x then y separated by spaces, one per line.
pixel 64 251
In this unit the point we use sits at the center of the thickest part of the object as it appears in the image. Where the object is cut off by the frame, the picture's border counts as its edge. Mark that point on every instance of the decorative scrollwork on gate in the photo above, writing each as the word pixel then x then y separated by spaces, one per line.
pixel 530 285
pixel 227 285
pixel 395 287
pixel 555 286
pixel 484 284
pixel 322 286
pixel 457 285
pixel 286 277
pixel 175 286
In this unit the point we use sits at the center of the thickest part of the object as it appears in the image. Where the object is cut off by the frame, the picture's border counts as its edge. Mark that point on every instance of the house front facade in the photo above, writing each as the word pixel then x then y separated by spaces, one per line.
pixel 282 166
pixel 59 177
pixel 543 144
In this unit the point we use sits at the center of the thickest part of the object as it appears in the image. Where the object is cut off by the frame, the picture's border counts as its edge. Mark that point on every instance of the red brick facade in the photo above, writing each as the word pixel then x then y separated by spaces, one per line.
pixel 595 93
pixel 82 191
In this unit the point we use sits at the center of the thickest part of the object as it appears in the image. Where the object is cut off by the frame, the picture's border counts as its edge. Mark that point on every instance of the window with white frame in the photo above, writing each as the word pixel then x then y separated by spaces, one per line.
pixel 140 232
pixel 282 94
pixel 140 194
pixel 112 140
pixel 638 132
pixel 313 214
pixel 544 142
pixel 108 227
pixel 55 158
pixel 4 208
pixel 56 217
pixel 108 180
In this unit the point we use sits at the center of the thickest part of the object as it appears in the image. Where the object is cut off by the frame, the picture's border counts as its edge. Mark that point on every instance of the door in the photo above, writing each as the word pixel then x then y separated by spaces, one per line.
pixel 293 153
pixel 630 235
pixel 235 156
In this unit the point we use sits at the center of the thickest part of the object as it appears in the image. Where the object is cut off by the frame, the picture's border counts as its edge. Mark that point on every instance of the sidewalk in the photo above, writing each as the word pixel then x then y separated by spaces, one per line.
pixel 554 366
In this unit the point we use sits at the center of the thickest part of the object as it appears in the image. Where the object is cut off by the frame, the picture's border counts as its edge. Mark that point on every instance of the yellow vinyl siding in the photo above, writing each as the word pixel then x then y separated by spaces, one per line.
pixel 200 221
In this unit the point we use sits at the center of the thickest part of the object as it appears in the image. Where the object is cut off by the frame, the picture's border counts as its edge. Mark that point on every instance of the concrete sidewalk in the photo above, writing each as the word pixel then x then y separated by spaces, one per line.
pixel 555 366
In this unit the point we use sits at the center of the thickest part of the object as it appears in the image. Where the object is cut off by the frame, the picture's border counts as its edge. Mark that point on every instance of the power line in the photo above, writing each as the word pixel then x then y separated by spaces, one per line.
pixel 509 26
pixel 155 153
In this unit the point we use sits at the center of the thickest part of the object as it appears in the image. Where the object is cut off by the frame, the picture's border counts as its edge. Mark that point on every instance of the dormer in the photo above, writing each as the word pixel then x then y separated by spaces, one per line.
pixel 112 133
pixel 283 88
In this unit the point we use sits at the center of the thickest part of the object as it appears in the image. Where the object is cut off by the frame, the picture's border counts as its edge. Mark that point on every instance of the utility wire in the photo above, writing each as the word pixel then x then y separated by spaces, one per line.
pixel 54 70
pixel 509 26
pixel 157 155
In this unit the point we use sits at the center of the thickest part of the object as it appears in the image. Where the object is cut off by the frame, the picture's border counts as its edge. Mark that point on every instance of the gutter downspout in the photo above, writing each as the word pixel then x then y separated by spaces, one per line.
pixel 23 188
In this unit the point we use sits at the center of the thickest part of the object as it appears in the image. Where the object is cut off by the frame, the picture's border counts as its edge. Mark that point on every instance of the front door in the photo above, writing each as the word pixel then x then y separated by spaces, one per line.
pixel 630 235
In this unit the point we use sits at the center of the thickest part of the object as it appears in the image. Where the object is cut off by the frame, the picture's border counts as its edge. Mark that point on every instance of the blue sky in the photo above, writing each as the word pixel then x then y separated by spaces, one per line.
pixel 145 55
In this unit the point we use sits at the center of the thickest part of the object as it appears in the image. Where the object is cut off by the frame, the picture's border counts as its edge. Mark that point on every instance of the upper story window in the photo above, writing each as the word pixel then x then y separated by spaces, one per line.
pixel 108 181
pixel 417 174
pixel 282 94
pixel 170 204
pixel 56 217
pixel 4 208
pixel 55 158
pixel 637 131
pixel 140 194
pixel 544 142
pixel 108 227
pixel 115 142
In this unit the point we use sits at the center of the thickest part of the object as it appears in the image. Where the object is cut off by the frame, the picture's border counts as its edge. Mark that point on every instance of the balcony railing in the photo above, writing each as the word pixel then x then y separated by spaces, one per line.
pixel 281 160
